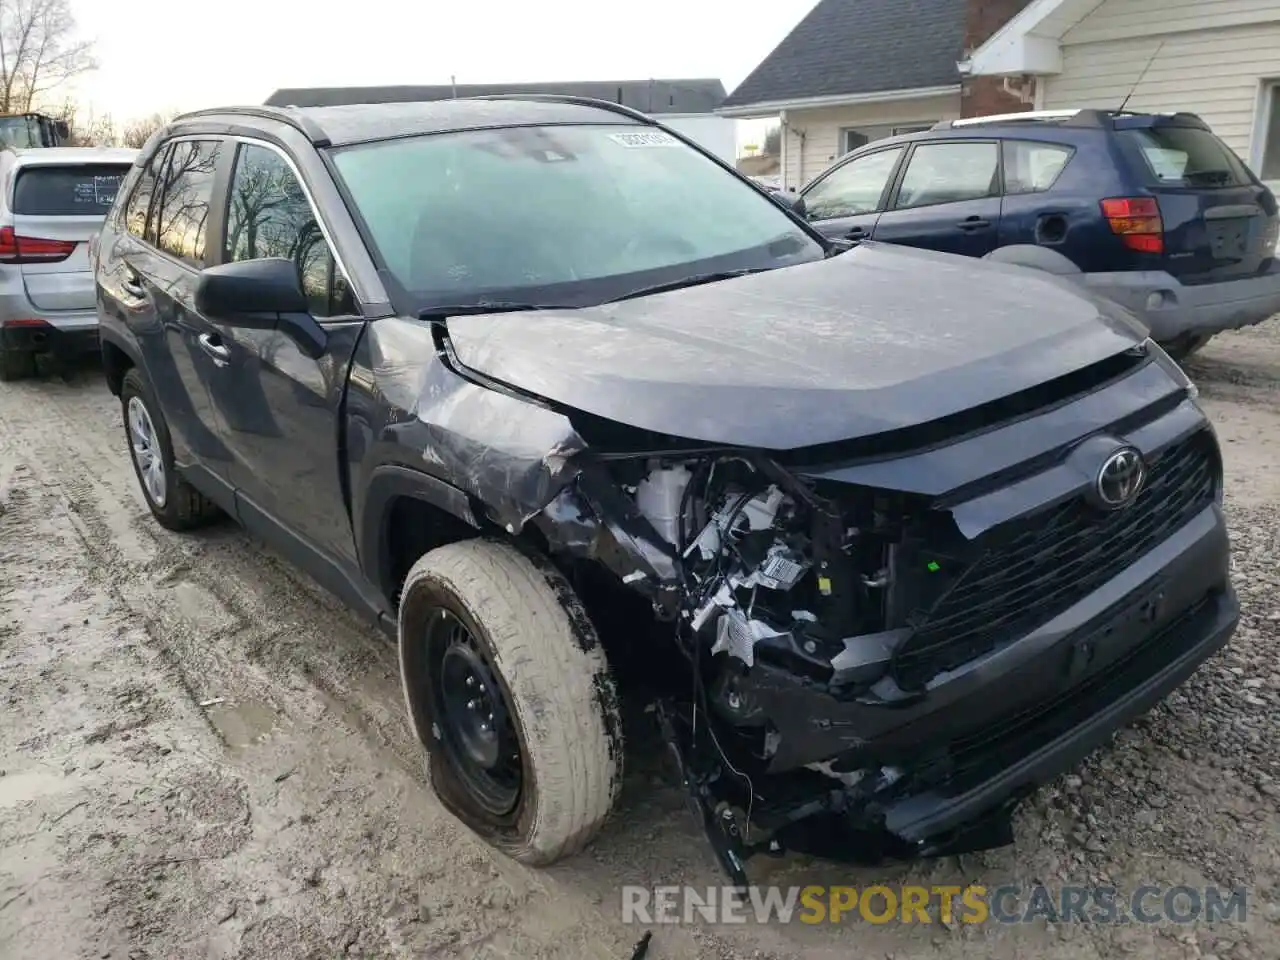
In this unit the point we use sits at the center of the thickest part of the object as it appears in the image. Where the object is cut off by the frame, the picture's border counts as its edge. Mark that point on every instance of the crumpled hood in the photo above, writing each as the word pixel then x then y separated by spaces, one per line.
pixel 869 341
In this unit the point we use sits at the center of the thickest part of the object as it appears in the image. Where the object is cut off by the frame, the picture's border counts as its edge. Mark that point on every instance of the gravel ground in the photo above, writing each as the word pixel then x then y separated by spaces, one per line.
pixel 203 755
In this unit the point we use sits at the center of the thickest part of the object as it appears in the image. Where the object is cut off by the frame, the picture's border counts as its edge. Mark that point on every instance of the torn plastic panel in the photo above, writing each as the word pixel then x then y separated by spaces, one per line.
pixel 591 519
pixel 528 451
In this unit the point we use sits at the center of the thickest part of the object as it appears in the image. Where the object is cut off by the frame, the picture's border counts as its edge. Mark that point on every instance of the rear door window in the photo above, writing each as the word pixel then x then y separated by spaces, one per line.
pixel 71 191
pixel 139 206
pixel 1186 157
pixel 1031 167
pixel 182 212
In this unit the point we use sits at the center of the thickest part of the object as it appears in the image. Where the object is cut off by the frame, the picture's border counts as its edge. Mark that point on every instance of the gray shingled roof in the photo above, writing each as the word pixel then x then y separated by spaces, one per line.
pixel 650 96
pixel 860 46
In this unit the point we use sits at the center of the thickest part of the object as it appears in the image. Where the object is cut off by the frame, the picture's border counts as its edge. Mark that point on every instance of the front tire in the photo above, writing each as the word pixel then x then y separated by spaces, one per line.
pixel 508 691
pixel 174 503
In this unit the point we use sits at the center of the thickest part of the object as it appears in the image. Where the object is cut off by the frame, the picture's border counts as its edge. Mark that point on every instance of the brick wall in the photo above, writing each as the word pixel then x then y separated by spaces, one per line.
pixel 982 96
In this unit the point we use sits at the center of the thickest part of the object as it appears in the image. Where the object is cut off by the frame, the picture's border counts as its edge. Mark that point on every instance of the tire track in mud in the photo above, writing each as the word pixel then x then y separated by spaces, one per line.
pixel 220 606
pixel 248 628
pixel 94 693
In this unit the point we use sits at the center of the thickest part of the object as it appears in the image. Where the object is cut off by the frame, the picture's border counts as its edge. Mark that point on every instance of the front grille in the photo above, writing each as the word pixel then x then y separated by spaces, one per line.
pixel 1052 560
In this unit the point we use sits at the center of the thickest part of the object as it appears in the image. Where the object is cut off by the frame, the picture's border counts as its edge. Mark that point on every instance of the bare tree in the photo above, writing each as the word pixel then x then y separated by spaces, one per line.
pixel 138 132
pixel 87 130
pixel 39 51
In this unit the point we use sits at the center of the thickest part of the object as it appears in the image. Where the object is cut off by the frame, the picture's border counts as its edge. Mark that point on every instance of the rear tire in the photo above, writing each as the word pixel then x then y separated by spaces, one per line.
pixel 174 503
pixel 1186 345
pixel 482 623
pixel 17 365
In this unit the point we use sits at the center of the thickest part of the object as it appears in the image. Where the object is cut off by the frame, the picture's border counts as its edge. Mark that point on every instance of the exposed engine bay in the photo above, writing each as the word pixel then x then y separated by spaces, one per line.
pixel 766 567
pixel 772 568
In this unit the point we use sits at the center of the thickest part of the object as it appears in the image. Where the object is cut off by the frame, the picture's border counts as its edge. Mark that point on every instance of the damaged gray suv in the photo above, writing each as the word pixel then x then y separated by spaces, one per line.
pixel 888 537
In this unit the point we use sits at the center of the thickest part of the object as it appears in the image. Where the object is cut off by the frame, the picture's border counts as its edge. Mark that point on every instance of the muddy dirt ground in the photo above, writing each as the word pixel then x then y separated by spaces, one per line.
pixel 203 755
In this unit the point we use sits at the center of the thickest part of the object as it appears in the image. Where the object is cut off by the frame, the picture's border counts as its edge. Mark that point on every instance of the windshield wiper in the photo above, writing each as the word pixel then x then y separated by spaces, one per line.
pixel 491 306
pixel 696 280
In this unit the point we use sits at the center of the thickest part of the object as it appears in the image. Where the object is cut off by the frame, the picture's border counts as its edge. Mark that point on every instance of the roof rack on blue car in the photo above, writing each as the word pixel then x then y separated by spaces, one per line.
pixel 1079 117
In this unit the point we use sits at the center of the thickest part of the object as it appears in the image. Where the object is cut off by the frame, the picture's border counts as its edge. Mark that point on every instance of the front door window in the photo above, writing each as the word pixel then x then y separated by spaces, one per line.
pixel 853 189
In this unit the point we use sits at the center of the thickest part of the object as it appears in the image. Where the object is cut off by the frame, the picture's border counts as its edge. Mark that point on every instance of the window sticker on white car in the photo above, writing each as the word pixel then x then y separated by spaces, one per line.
pixel 649 138
pixel 98 190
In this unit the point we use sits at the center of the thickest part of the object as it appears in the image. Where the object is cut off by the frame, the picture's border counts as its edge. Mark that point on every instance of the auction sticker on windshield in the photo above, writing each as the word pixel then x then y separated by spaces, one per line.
pixel 649 138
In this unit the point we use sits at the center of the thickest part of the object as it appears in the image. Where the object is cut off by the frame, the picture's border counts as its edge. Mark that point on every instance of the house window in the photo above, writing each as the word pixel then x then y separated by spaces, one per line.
pixel 851 140
pixel 854 137
pixel 1269 136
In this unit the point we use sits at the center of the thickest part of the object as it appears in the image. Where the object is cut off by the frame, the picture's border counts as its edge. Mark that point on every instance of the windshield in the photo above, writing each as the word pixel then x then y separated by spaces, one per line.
pixel 563 214
pixel 20 133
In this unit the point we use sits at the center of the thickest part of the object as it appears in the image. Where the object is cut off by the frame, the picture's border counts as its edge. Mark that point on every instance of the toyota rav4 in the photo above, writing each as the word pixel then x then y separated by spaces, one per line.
pixel 912 532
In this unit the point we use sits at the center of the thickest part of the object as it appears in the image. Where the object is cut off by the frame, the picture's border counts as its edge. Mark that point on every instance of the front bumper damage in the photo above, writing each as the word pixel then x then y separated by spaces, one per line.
pixel 844 703
pixel 947 794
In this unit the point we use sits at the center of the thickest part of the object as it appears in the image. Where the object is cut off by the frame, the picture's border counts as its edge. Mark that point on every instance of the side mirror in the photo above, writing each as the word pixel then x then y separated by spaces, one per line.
pixel 789 201
pixel 261 294
pixel 62 129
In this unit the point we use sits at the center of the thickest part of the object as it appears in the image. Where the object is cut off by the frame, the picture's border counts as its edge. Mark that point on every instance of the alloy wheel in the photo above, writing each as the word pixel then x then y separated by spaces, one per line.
pixel 146 452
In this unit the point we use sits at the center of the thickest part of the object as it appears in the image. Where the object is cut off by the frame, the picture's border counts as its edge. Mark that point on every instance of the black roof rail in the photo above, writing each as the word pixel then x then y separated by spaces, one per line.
pixel 289 115
pixel 315 133
pixel 569 98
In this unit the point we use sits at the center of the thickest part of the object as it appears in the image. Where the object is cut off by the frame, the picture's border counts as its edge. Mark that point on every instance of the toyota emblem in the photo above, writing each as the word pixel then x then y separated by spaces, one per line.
pixel 1120 479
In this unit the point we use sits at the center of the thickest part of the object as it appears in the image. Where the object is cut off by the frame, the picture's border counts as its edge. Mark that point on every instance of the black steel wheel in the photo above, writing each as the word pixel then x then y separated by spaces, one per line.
pixel 473 714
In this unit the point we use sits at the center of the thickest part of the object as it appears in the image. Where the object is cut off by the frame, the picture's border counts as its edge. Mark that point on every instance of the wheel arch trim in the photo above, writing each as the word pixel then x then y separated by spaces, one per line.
pixel 392 482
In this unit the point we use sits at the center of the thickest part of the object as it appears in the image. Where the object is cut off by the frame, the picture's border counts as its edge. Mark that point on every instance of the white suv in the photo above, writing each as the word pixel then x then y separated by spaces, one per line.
pixel 52 200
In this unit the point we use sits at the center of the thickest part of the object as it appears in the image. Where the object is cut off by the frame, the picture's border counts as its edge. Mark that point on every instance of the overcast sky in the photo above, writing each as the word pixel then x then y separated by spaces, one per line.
pixel 156 55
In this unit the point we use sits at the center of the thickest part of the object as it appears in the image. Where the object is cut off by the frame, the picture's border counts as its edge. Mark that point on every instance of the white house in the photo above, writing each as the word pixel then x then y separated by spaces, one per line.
pixel 856 70
pixel 1216 58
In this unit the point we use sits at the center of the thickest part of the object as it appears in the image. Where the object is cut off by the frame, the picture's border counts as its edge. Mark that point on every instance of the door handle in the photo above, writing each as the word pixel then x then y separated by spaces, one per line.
pixel 210 344
pixel 857 233
pixel 973 223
